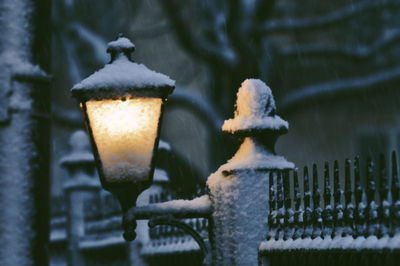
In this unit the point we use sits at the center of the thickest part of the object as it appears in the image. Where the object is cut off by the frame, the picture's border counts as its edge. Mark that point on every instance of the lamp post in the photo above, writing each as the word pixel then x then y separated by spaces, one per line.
pixel 123 104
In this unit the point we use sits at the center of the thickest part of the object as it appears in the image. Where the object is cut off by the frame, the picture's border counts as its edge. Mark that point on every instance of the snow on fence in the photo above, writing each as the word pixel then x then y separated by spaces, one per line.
pixel 354 219
pixel 165 234
pixel 103 217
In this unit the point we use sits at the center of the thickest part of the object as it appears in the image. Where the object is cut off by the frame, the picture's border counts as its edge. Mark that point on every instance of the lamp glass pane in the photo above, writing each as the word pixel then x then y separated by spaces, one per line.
pixel 125 134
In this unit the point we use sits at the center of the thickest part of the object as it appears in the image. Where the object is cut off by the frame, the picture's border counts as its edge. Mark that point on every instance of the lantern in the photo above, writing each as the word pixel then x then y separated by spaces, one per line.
pixel 123 106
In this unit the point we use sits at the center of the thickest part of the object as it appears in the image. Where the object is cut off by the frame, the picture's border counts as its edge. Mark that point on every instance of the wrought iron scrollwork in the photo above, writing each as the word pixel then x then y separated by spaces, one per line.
pixel 172 221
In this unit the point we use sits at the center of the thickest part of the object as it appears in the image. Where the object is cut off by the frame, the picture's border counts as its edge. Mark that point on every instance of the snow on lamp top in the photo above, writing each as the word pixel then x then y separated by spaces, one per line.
pixel 255 110
pixel 121 43
pixel 123 77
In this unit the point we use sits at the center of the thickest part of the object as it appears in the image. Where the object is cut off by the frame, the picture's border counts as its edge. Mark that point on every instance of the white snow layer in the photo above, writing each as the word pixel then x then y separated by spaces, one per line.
pixel 124 74
pixel 202 202
pixel 239 215
pixel 163 246
pixel 255 107
pixel 240 203
pixel 163 145
pixel 252 155
pixel 121 43
pixel 347 242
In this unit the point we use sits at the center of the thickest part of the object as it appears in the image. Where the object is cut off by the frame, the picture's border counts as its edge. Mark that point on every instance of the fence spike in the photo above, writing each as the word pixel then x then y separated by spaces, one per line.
pixel 383 177
pixel 296 190
pixel 395 210
pixel 395 179
pixel 327 211
pixel 349 211
pixel 307 215
pixel 337 198
pixel 281 211
pixel 371 184
pixel 327 185
pixel 384 206
pixel 347 182
pixel 336 184
pixel 357 180
pixel 317 210
pixel 289 213
pixel 273 206
pixel 306 187
pixel 372 207
pixel 360 216
pixel 316 191
pixel 286 190
pixel 298 219
pixel 272 192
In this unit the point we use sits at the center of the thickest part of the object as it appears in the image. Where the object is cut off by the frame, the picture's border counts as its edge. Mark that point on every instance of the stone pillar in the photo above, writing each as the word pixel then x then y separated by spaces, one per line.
pixel 81 187
pixel 239 188
pixel 25 27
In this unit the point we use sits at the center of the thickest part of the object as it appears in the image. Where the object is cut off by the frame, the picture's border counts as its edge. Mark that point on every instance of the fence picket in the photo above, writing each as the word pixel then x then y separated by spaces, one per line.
pixel 317 210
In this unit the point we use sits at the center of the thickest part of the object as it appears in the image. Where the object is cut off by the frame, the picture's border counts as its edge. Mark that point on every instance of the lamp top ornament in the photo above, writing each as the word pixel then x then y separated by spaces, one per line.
pixel 255 111
pixel 122 77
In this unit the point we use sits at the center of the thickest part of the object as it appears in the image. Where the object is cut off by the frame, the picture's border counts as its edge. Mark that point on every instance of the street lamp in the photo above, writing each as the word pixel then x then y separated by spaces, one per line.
pixel 123 106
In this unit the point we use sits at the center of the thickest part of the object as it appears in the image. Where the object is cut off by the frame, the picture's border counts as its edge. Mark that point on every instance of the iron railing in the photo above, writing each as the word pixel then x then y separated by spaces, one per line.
pixel 351 218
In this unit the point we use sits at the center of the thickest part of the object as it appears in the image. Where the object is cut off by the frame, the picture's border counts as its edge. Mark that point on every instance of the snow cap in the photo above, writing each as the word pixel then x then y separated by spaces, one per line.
pixel 121 44
pixel 80 150
pixel 255 110
pixel 123 77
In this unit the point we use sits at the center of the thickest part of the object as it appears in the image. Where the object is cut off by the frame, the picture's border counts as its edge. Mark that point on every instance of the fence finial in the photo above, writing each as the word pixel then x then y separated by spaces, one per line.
pixel 255 110
pixel 80 163
pixel 80 153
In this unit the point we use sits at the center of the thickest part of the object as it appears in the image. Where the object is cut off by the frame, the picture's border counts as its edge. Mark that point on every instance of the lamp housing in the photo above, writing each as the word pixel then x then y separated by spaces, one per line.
pixel 123 106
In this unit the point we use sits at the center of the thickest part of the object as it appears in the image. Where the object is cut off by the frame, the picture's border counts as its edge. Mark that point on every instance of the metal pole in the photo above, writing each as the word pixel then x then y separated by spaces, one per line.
pixel 24 131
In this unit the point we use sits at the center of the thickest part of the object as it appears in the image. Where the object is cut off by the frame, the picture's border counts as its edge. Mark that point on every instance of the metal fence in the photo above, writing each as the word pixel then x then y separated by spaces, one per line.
pixel 348 217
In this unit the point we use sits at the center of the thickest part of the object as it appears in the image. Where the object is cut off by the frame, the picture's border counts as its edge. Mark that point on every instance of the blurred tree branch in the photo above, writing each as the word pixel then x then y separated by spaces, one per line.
pixel 203 48
pixel 225 38
pixel 346 13
pixel 237 39
pixel 359 52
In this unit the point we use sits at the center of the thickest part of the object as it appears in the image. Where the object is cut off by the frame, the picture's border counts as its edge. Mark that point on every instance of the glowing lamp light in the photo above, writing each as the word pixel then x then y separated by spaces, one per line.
pixel 123 106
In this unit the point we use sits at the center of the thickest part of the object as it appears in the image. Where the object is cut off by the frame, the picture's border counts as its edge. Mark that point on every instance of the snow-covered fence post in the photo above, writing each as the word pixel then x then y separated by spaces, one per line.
pixel 239 189
pixel 25 128
pixel 80 188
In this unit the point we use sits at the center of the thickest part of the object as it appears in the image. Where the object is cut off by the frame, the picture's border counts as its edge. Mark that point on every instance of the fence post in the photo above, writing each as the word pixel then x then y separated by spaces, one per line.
pixel 80 188
pixel 239 189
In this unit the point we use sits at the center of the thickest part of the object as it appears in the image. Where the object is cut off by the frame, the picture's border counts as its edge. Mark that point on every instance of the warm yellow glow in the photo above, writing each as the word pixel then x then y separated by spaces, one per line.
pixel 124 132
